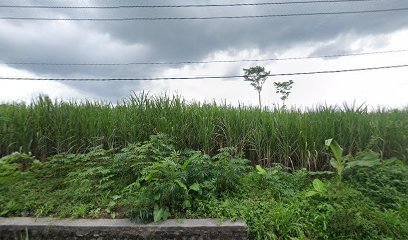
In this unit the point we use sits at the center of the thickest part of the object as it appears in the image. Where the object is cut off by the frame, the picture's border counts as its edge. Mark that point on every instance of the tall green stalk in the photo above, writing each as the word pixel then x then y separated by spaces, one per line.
pixel 293 137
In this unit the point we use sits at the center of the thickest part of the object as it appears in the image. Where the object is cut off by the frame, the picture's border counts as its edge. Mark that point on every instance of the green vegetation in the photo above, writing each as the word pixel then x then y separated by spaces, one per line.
pixel 293 138
pixel 360 196
pixel 257 77
pixel 284 89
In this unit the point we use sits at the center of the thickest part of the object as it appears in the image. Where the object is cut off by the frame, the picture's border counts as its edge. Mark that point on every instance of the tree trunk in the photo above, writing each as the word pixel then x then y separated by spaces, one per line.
pixel 259 98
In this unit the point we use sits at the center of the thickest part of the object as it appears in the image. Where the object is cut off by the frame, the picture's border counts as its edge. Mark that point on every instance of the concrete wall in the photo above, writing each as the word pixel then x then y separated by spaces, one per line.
pixel 110 229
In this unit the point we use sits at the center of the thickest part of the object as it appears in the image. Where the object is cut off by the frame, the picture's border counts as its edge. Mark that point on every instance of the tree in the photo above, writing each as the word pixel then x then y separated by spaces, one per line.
pixel 257 76
pixel 283 88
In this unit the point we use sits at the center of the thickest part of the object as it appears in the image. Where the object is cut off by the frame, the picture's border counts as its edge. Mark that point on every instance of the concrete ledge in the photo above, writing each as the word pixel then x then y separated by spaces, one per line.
pixel 115 229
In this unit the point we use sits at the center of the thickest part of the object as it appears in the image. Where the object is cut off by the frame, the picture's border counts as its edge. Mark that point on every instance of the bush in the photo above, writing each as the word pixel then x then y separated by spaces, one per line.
pixel 153 180
pixel 177 182
pixel 386 185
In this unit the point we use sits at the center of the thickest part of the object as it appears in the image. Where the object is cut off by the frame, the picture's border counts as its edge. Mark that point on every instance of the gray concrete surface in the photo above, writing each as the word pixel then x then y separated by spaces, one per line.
pixel 115 229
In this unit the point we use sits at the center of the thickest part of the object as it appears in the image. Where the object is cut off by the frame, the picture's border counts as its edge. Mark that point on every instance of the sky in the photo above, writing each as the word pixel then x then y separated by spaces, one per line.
pixel 207 40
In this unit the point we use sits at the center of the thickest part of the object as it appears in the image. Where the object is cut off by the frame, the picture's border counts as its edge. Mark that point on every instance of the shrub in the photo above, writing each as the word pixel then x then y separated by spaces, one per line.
pixel 386 184
pixel 179 180
pixel 153 180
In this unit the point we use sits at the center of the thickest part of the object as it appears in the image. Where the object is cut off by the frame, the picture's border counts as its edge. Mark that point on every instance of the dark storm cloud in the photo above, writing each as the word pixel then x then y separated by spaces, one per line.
pixel 195 39
pixel 177 40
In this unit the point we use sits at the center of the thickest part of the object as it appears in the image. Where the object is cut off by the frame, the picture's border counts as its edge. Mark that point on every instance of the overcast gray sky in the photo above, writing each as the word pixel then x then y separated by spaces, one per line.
pixel 207 40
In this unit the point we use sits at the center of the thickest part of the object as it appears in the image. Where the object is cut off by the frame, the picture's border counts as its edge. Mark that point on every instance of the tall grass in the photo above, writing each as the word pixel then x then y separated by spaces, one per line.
pixel 294 138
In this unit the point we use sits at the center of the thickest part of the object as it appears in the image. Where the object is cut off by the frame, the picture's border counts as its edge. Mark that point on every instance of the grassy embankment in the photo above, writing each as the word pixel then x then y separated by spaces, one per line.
pixel 363 197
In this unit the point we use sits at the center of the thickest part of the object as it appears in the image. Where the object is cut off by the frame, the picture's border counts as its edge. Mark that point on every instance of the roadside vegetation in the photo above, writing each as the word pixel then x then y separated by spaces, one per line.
pixel 358 196
pixel 292 137
pixel 148 158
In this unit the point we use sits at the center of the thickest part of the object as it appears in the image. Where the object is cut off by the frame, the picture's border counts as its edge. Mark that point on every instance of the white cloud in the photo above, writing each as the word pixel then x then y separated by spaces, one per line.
pixel 375 88
pixel 382 87
pixel 12 90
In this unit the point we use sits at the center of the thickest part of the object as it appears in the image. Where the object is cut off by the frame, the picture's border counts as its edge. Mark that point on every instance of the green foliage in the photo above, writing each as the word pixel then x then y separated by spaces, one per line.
pixel 261 170
pixel 293 138
pixel 386 185
pixel 284 89
pixel 267 219
pixel 319 188
pixel 17 162
pixel 257 77
pixel 276 183
pixel 341 163
pixel 179 180
pixel 154 180
pixel 229 167
pixel 131 160
pixel 161 186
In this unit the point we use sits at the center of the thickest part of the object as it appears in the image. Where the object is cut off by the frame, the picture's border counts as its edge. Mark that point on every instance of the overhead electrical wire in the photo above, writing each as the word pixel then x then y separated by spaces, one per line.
pixel 184 5
pixel 206 18
pixel 205 62
pixel 203 77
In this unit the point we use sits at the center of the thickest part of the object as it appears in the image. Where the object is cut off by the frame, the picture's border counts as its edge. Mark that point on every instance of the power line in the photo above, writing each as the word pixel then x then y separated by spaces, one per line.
pixel 205 62
pixel 202 77
pixel 184 5
pixel 206 18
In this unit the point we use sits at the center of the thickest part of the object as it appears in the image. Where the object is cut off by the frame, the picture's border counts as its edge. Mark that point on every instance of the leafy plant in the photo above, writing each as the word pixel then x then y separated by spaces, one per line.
pixel 341 163
pixel 160 188
pixel 229 167
pixel 386 184
pixel 257 76
pixel 154 180
pixel 131 160
pixel 319 188
pixel 173 184
pixel 284 89
pixel 261 170
pixel 17 161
